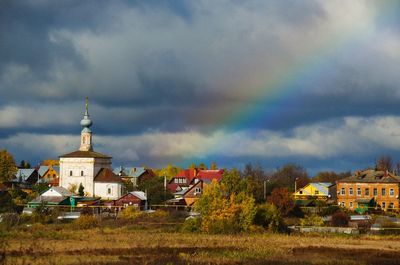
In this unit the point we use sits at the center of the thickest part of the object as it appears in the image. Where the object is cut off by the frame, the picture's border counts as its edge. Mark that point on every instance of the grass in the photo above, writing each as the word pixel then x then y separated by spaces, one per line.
pixel 134 244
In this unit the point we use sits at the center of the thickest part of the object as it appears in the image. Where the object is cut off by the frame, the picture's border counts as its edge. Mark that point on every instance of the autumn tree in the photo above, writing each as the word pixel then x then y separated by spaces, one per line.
pixel 330 176
pixel 288 174
pixel 223 211
pixel 8 168
pixel 213 166
pixel 233 182
pixel 282 199
pixel 384 163
pixel 254 178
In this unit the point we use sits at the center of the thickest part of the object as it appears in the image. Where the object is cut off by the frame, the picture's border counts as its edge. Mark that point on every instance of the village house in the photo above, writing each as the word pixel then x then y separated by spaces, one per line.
pixel 25 178
pixel 52 196
pixel 369 188
pixel 134 174
pixel 136 199
pixel 322 191
pixel 189 184
pixel 49 174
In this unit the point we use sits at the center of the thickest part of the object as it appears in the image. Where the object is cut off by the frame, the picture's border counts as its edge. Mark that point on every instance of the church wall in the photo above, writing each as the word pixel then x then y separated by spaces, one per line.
pixel 110 191
pixel 76 165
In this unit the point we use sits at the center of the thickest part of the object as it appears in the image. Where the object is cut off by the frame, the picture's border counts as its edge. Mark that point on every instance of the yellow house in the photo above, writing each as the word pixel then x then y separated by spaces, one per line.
pixel 318 190
pixel 50 174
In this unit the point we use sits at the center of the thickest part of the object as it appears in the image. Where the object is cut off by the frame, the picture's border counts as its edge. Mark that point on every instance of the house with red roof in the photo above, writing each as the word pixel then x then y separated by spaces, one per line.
pixel 188 185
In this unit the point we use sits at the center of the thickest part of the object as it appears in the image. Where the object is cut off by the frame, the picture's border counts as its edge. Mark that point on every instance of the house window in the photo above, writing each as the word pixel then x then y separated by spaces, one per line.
pixel 375 192
pixel 391 192
pixel 82 173
pixel 301 192
pixel 176 180
pixel 383 192
pixel 109 191
pixel 70 173
pixel 391 205
pixel 343 191
pixel 197 190
pixel 367 192
pixel 351 204
pixel 317 192
pixel 383 205
pixel 358 191
pixel 351 191
pixel 342 204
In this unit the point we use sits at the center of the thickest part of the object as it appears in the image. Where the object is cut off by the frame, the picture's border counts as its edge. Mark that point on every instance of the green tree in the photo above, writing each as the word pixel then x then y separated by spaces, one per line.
pixel 202 166
pixel 269 217
pixel 81 190
pixel 254 178
pixel 8 168
pixel 233 182
pixel 213 166
pixel 154 187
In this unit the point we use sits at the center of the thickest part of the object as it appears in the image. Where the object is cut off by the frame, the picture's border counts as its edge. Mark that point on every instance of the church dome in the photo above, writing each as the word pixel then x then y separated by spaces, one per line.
pixel 86 122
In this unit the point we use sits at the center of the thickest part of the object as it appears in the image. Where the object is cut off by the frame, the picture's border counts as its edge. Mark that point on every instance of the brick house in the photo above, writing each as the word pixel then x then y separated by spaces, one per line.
pixel 369 188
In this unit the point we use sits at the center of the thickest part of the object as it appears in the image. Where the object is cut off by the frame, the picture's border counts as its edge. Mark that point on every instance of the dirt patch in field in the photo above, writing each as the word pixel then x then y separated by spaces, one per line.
pixel 137 255
pixel 364 256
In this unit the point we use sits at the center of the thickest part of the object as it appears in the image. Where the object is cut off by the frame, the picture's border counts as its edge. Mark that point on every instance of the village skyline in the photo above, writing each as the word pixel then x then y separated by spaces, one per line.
pixel 179 82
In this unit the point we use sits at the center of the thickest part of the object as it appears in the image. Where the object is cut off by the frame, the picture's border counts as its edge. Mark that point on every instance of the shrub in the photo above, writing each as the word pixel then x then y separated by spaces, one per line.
pixel 86 222
pixel 268 216
pixel 340 219
pixel 312 220
pixel 131 213
pixel 191 225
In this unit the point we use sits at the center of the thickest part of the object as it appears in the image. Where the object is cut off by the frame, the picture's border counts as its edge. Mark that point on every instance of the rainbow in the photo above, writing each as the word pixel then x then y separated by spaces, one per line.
pixel 289 80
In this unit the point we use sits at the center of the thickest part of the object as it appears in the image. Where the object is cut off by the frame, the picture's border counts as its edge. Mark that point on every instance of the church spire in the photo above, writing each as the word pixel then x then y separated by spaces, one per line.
pixel 86 134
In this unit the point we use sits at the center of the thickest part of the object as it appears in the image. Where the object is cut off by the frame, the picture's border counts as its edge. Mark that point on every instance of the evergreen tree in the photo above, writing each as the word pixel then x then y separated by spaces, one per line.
pixel 81 189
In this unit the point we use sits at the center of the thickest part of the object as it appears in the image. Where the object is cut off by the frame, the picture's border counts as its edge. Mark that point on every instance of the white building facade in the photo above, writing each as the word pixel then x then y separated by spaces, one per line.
pixel 83 166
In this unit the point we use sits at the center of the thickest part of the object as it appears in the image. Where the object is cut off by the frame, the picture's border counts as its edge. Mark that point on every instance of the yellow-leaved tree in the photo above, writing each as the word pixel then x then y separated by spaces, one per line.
pixel 223 211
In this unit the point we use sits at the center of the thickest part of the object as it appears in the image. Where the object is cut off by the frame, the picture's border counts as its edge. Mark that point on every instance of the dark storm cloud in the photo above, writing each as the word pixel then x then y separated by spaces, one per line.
pixel 177 66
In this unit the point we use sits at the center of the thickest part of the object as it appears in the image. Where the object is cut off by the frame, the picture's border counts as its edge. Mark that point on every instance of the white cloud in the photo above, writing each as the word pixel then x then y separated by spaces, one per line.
pixel 352 136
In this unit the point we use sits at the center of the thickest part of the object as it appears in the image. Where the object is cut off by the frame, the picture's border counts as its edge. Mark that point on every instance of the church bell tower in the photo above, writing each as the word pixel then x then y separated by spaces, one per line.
pixel 86 134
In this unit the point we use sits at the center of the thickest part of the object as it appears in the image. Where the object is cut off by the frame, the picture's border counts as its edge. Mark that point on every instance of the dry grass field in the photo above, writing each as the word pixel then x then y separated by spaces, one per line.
pixel 128 244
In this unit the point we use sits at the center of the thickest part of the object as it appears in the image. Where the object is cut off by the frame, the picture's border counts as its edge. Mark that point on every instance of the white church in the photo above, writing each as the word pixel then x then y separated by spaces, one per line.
pixel 89 168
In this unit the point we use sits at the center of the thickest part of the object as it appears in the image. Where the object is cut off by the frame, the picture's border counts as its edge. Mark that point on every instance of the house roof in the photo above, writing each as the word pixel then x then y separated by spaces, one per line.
pixel 48 199
pixel 86 154
pixel 139 194
pixel 372 176
pixel 24 173
pixel 57 169
pixel 130 172
pixel 322 187
pixel 42 170
pixel 210 174
pixel 60 190
pixel 190 174
pixel 106 175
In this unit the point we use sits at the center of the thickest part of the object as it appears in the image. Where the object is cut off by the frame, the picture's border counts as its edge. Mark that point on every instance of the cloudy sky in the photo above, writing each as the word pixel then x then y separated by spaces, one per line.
pixel 311 82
